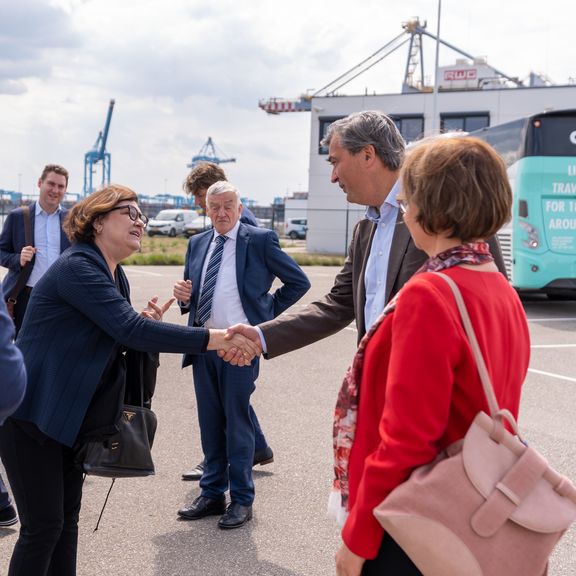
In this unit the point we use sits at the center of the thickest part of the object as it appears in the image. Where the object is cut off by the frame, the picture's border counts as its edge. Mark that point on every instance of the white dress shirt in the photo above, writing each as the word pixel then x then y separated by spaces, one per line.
pixel 227 307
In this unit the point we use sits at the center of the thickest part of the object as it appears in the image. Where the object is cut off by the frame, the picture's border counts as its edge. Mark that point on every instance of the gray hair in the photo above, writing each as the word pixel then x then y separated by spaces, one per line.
pixel 221 187
pixel 369 127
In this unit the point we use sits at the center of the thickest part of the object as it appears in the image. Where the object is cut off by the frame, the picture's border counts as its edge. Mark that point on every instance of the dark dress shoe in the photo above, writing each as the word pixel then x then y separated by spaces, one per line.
pixel 236 515
pixel 195 474
pixel 264 456
pixel 202 507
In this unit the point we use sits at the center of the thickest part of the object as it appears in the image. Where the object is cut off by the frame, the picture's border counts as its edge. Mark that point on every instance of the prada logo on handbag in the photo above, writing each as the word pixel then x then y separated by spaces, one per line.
pixel 129 415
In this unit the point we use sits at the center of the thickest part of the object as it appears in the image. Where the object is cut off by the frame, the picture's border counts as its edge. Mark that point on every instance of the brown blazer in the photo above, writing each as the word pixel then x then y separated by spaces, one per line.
pixel 346 300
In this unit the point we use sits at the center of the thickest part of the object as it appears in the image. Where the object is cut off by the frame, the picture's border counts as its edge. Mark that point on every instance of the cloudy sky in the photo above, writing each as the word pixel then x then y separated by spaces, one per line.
pixel 183 70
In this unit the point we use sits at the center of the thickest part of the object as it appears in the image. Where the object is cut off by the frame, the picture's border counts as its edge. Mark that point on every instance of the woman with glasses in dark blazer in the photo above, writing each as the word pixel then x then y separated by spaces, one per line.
pixel 78 319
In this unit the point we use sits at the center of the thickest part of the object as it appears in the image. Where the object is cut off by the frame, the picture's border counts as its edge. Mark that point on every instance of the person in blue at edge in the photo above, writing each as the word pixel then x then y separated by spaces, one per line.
pixel 77 322
pixel 227 277
pixel 12 387
pixel 28 260
pixel 200 178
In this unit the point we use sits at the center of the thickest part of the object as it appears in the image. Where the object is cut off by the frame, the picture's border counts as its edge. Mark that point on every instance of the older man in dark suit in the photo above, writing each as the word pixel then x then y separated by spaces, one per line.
pixel 366 151
pixel 227 279
pixel 200 178
pixel 29 259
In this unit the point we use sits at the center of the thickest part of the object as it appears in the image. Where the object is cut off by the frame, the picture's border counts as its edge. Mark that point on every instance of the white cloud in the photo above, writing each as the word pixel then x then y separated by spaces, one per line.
pixel 183 70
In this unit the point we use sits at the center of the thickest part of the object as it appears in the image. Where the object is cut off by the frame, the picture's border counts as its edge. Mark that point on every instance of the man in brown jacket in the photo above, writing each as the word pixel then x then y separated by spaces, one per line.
pixel 366 152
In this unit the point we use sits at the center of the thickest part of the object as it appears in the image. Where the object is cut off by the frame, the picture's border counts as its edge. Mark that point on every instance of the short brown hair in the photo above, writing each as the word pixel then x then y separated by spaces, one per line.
pixel 203 176
pixel 79 222
pixel 459 185
pixel 57 169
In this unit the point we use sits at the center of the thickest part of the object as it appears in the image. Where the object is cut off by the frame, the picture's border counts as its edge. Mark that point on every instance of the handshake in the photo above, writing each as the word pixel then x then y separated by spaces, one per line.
pixel 238 345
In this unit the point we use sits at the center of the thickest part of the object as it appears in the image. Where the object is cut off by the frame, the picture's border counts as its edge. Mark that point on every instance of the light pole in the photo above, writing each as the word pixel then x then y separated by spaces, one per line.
pixel 435 126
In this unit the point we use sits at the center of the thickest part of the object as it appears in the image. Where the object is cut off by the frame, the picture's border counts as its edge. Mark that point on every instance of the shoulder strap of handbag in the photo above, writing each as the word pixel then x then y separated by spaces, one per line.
pixel 26 270
pixel 482 370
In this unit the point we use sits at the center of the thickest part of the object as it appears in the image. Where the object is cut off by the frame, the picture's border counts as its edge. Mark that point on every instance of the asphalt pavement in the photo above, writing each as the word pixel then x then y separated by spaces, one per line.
pixel 290 534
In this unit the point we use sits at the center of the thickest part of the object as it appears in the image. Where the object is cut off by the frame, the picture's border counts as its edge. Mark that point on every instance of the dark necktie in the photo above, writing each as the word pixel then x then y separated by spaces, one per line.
pixel 205 303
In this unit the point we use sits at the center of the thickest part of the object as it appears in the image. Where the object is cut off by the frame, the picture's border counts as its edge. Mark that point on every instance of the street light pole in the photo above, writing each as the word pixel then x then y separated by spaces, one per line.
pixel 435 126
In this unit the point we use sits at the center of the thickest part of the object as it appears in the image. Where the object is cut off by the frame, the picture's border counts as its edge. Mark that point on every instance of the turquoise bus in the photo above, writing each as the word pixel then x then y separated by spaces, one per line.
pixel 539 244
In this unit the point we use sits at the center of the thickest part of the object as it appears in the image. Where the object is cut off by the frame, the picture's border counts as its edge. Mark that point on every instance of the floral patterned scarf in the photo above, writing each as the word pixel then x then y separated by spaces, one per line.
pixel 346 411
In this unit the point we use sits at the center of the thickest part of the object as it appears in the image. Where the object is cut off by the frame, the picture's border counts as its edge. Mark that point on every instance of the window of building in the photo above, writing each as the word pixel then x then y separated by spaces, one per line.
pixel 324 125
pixel 411 127
pixel 467 122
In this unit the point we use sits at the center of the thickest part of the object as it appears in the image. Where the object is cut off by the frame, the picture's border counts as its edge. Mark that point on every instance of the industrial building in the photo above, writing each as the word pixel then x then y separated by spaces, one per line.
pixel 470 95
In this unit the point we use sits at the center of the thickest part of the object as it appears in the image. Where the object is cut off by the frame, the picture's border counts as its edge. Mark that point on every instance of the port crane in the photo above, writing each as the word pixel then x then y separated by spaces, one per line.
pixel 98 154
pixel 209 153
pixel 413 31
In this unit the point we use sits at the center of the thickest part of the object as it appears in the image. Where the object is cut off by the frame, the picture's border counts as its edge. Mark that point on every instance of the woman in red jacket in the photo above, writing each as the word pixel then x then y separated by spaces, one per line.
pixel 414 388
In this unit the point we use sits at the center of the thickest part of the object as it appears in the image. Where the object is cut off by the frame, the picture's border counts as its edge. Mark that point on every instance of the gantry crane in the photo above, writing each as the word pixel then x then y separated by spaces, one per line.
pixel 413 30
pixel 98 154
pixel 209 153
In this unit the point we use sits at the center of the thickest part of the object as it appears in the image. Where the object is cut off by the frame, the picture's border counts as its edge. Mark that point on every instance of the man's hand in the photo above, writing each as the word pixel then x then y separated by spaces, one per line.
pixel 26 255
pixel 183 291
pixel 348 563
pixel 239 349
pixel 248 332
pixel 155 312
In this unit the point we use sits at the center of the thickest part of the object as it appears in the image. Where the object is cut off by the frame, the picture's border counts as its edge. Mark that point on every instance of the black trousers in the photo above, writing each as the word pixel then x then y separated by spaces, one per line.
pixel 391 560
pixel 47 489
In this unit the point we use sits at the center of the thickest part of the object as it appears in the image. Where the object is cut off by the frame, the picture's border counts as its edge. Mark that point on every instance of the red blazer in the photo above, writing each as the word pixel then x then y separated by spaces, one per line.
pixel 420 388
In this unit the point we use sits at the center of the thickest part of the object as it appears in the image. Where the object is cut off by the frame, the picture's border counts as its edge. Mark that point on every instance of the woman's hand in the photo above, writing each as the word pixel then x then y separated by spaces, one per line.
pixel 348 563
pixel 241 349
pixel 153 311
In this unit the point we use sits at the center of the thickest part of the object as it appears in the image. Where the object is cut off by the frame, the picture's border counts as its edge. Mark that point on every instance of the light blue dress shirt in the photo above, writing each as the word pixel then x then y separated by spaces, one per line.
pixel 377 265
pixel 46 242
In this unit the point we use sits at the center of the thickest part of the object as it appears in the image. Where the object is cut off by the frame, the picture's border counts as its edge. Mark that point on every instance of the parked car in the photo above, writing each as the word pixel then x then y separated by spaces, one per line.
pixel 198 224
pixel 296 228
pixel 170 222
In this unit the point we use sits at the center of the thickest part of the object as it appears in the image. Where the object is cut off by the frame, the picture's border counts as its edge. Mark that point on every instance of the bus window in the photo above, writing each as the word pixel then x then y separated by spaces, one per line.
pixel 539 244
pixel 552 136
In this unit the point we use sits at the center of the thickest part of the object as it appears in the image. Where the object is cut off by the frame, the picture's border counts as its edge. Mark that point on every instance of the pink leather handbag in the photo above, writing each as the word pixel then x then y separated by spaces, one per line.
pixel 489 505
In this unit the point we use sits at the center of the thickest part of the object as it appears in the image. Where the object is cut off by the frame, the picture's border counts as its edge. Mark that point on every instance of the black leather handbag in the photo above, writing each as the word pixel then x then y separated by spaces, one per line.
pixel 126 453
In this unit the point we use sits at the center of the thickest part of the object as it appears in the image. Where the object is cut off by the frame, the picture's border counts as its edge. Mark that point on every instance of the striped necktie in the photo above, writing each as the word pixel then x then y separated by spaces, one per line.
pixel 205 303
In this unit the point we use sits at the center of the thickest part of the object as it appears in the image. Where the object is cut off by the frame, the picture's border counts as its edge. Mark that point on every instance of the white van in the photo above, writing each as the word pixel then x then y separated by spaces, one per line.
pixel 170 222
pixel 296 228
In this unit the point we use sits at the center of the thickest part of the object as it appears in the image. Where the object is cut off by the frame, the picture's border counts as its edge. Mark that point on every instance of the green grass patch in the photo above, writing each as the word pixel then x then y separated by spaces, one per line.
pixel 303 259
pixel 165 251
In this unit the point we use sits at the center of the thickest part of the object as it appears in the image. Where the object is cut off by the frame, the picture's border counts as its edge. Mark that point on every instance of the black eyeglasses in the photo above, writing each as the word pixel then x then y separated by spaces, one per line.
pixel 133 213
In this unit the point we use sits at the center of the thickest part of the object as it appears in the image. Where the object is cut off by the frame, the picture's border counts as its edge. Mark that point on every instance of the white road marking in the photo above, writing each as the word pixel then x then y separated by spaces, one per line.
pixel 572 319
pixel 552 375
pixel 129 269
pixel 553 346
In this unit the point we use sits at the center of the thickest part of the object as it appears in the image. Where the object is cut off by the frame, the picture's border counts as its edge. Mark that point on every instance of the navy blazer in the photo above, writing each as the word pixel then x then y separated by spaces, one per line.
pixel 13 373
pixel 75 316
pixel 12 240
pixel 259 260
